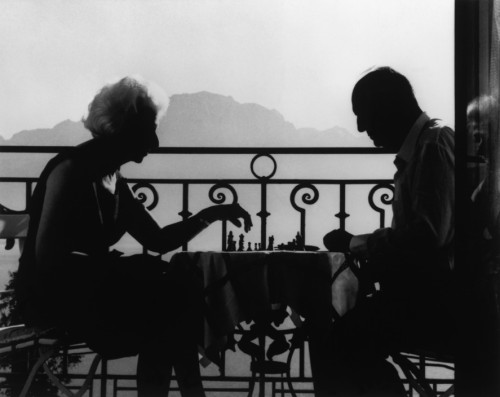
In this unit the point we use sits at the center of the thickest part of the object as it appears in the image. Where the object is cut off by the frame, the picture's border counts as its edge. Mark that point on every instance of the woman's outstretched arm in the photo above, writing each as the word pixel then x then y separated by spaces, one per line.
pixel 146 230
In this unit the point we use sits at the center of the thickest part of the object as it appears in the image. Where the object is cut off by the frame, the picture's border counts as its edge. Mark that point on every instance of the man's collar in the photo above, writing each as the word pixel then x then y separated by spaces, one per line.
pixel 408 147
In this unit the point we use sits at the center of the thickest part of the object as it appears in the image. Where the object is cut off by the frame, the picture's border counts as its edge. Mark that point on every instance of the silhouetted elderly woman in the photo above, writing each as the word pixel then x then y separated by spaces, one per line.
pixel 121 306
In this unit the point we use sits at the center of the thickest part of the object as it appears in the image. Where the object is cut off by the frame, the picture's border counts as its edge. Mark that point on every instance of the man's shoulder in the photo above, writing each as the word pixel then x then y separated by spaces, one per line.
pixel 438 133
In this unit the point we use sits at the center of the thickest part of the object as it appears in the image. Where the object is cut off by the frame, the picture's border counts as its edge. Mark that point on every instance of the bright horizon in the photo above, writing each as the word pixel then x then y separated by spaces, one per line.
pixel 296 57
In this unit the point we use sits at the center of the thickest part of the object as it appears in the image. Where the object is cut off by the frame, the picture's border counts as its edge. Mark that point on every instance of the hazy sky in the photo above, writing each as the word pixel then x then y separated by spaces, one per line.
pixel 298 57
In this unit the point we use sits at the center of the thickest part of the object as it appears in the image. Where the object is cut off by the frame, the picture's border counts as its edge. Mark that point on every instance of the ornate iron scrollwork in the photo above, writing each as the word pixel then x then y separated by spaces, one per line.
pixel 140 192
pixel 263 213
pixel 220 197
pixel 307 198
pixel 385 199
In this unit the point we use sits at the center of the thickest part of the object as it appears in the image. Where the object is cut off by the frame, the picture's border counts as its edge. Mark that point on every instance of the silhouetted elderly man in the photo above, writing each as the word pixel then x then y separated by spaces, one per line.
pixel 412 260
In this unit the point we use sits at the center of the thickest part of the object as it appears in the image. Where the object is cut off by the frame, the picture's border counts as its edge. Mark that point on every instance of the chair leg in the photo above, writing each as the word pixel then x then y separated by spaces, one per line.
pixel 56 382
pixel 104 375
pixel 83 388
pixel 290 386
pixel 413 376
pixel 251 385
pixel 43 356
pixel 90 377
pixel 262 385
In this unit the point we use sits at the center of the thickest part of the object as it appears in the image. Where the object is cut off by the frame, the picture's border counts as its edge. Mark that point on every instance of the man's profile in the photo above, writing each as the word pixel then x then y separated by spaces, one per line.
pixel 413 259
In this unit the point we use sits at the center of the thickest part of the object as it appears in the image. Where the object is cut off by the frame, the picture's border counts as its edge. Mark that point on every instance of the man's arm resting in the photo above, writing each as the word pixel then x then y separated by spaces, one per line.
pixel 359 245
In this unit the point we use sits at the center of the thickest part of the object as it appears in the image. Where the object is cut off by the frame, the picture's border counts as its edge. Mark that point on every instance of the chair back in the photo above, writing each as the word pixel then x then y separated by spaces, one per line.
pixel 14 226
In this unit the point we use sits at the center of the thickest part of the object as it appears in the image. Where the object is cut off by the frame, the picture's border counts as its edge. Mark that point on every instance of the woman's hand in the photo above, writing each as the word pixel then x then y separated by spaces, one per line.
pixel 227 212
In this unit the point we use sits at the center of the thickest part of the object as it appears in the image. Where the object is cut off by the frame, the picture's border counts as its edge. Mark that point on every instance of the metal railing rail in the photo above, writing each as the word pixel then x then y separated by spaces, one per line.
pixel 307 187
pixel 215 150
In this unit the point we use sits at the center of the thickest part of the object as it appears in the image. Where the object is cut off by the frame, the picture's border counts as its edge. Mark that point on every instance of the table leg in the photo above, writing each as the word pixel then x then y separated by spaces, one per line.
pixel 320 350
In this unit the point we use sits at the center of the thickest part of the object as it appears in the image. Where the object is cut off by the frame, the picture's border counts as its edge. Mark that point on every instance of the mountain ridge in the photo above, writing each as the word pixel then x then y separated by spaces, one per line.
pixel 206 119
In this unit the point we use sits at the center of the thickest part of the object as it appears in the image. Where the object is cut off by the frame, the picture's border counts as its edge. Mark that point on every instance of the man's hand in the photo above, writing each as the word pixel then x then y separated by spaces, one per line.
pixel 228 212
pixel 337 240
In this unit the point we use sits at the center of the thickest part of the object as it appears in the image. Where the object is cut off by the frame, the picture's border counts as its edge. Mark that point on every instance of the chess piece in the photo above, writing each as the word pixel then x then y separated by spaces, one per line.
pixel 241 242
pixel 256 247
pixel 270 245
pixel 249 246
pixel 231 244
pixel 300 241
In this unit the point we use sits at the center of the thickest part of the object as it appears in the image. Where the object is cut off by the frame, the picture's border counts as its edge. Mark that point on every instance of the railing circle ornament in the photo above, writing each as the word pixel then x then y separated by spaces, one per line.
pixel 307 197
pixel 141 190
pixel 220 197
pixel 263 177
pixel 385 198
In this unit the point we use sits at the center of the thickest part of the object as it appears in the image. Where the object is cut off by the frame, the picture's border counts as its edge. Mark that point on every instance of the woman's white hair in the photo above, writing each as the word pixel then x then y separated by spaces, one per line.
pixel 113 103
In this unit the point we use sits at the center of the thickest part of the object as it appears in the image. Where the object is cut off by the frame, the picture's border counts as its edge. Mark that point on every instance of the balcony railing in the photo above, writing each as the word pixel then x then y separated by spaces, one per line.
pixel 304 193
